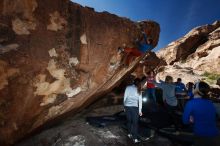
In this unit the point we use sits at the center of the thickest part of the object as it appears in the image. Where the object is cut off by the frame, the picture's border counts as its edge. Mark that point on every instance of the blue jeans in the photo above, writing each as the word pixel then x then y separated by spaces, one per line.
pixel 132 114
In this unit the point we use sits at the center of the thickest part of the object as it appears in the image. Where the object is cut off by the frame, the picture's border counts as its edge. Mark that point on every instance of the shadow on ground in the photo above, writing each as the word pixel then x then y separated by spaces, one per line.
pixel 75 131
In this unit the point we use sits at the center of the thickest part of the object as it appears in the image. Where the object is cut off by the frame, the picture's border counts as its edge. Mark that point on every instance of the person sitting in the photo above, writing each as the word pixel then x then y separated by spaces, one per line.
pixel 201 113
pixel 133 108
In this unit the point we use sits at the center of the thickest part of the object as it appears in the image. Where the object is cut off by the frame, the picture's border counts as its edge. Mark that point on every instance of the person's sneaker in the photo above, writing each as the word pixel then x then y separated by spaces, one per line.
pixel 147 138
pixel 136 141
pixel 129 135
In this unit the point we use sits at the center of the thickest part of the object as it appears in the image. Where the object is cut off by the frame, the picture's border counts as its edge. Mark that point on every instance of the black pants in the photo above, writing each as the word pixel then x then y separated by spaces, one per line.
pixel 132 114
pixel 171 111
pixel 207 141
pixel 181 102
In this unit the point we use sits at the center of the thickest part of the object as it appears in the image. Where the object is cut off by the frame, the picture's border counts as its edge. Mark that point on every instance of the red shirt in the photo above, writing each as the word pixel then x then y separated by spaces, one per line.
pixel 150 83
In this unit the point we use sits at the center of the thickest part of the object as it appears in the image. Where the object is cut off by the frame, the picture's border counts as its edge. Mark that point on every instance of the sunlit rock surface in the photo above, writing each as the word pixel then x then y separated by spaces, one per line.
pixel 195 56
pixel 55 59
pixel 203 37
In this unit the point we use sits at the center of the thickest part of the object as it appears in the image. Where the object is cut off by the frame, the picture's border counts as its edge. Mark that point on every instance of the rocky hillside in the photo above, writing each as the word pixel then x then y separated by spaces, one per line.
pixel 57 57
pixel 194 56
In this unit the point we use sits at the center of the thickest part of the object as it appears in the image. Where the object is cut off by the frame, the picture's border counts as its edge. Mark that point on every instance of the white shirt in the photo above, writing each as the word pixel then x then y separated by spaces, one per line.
pixel 132 97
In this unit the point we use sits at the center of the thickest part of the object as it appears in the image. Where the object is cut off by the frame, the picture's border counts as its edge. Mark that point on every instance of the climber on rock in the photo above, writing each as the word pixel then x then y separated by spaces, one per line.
pixel 143 44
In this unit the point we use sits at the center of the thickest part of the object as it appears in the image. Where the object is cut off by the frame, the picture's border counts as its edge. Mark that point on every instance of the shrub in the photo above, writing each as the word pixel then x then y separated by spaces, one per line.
pixel 211 76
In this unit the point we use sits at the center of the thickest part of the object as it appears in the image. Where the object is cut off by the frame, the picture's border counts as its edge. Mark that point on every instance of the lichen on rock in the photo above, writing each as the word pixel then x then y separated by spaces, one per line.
pixel 23 27
pixel 5 73
pixel 73 61
pixel 83 39
pixel 57 22
pixel 60 86
pixel 24 8
pixel 8 48
pixel 54 111
pixel 52 52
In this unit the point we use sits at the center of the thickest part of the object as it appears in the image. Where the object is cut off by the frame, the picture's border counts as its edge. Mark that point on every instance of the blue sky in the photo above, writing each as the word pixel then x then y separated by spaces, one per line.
pixel 176 17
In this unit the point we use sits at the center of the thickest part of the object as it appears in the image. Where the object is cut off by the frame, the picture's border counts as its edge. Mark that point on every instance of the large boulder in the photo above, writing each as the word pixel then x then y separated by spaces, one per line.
pixel 55 59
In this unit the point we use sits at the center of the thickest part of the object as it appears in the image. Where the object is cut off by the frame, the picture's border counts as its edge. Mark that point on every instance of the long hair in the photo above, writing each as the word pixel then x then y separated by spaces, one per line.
pixel 137 83
pixel 190 86
pixel 149 73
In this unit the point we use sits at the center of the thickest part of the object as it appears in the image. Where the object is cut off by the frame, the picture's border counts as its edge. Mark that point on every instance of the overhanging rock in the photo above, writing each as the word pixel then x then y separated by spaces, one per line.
pixel 56 58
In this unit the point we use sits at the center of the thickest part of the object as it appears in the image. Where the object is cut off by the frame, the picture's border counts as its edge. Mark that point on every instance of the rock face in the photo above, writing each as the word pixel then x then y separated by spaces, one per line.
pixel 198 38
pixel 197 53
pixel 186 73
pixel 55 58
pixel 207 55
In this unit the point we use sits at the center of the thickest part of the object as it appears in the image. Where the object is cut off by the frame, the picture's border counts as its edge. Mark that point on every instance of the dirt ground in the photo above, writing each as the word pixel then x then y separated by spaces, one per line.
pixel 75 131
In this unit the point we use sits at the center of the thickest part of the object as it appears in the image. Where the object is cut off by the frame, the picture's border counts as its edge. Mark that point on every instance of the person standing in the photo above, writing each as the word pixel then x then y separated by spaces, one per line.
pixel 180 87
pixel 168 88
pixel 190 94
pixel 181 93
pixel 133 108
pixel 170 100
pixel 149 85
pixel 201 112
